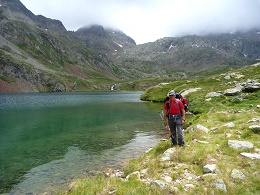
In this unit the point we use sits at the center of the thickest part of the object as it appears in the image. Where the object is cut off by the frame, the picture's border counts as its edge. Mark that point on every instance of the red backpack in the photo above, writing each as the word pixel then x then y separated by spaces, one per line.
pixel 184 101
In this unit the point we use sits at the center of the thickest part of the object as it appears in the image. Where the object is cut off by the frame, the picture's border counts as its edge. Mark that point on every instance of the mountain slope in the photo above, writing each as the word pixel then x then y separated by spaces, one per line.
pixel 39 54
pixel 38 45
pixel 193 53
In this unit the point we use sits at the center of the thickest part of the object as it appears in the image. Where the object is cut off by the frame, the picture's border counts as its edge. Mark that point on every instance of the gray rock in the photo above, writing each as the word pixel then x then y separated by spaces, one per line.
pixel 227 77
pixel 202 128
pixel 251 85
pixel 239 86
pixel 213 94
pixel 143 172
pixel 236 174
pixel 167 154
pixel 209 168
pixel 59 88
pixel 135 174
pixel 184 93
pixel 229 125
pixel 255 119
pixel 189 186
pixel 232 91
pixel 253 156
pixel 119 174
pixel 159 183
pixel 239 145
pixel 220 185
pixel 255 128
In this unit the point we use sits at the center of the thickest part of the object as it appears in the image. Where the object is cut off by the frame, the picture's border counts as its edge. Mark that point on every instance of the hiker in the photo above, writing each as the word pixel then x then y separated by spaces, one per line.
pixel 175 114
pixel 183 100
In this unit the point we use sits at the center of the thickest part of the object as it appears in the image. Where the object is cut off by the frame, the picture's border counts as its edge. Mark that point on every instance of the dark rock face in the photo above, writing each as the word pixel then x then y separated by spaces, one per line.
pixel 35 77
pixel 94 30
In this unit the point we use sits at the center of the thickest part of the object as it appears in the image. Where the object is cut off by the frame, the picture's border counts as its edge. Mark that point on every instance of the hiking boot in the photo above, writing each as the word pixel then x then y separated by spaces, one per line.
pixel 182 145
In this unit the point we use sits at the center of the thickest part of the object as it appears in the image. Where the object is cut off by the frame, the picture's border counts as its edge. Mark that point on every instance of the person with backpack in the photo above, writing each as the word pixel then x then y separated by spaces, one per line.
pixel 174 116
pixel 183 100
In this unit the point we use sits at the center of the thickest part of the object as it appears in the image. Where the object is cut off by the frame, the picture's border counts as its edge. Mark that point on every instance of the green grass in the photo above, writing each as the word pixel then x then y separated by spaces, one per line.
pixel 212 114
pixel 101 185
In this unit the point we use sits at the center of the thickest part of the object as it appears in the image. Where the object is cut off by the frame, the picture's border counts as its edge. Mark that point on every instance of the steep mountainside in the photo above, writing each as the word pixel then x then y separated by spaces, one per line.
pixel 39 54
pixel 192 53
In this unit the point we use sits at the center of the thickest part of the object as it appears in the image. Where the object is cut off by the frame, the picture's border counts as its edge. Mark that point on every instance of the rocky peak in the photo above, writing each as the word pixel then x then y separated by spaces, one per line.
pixel 119 36
pixel 93 30
pixel 49 24
pixel 15 6
pixel 15 10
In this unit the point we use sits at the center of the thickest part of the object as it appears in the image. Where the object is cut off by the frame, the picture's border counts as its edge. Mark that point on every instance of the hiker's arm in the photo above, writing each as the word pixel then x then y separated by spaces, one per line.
pixel 164 117
pixel 183 114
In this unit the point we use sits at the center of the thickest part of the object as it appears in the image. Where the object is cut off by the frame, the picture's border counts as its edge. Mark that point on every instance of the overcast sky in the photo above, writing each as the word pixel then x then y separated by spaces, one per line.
pixel 149 20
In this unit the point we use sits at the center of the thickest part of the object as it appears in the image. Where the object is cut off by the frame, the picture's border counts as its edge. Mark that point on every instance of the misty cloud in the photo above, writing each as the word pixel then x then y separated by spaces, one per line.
pixel 149 20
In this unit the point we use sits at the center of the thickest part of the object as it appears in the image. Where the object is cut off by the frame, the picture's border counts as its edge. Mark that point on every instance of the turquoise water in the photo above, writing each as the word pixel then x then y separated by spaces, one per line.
pixel 48 139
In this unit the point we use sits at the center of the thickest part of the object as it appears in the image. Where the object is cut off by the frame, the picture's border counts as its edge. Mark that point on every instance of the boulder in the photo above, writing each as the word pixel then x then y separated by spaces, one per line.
pixel 255 128
pixel 232 91
pixel 159 183
pixel 254 156
pixel 251 85
pixel 213 94
pixel 236 174
pixel 135 175
pixel 209 168
pixel 240 145
pixel 220 185
pixel 202 128
pixel 229 125
pixel 167 154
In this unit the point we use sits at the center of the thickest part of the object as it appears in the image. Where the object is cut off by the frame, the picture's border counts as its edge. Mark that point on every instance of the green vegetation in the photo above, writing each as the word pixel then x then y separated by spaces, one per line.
pixel 185 167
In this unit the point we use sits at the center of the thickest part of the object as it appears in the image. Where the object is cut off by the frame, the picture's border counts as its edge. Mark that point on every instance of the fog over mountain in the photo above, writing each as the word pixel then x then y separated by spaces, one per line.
pixel 149 20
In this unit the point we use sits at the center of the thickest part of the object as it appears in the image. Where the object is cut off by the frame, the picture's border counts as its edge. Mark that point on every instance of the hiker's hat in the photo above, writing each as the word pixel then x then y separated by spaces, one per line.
pixel 172 92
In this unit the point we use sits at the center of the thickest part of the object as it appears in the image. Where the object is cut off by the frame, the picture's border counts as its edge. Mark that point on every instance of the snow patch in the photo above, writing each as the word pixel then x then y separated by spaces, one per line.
pixel 118 44
pixel 195 45
pixel 171 46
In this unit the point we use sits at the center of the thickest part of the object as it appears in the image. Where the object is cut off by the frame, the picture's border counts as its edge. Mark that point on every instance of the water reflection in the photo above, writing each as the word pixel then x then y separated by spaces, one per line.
pixel 36 131
pixel 55 175
pixel 50 100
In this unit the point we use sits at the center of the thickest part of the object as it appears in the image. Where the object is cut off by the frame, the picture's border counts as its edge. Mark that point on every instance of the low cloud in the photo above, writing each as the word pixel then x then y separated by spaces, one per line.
pixel 149 20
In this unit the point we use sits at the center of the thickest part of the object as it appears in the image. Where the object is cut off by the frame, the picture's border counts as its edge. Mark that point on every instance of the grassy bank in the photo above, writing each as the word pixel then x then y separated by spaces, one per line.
pixel 225 117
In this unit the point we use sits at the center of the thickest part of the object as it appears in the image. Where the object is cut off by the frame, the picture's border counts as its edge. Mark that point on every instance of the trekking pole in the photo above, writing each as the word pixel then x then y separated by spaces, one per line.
pixel 177 136
pixel 167 126
pixel 161 115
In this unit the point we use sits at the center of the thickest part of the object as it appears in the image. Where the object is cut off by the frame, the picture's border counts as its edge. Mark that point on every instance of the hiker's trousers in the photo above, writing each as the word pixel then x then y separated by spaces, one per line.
pixel 176 131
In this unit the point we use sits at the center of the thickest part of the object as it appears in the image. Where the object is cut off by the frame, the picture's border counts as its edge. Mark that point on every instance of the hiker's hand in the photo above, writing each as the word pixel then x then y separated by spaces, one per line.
pixel 169 131
pixel 182 121
pixel 165 123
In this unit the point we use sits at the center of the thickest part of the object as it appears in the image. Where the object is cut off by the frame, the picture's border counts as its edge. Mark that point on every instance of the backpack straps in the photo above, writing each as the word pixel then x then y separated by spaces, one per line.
pixel 177 103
